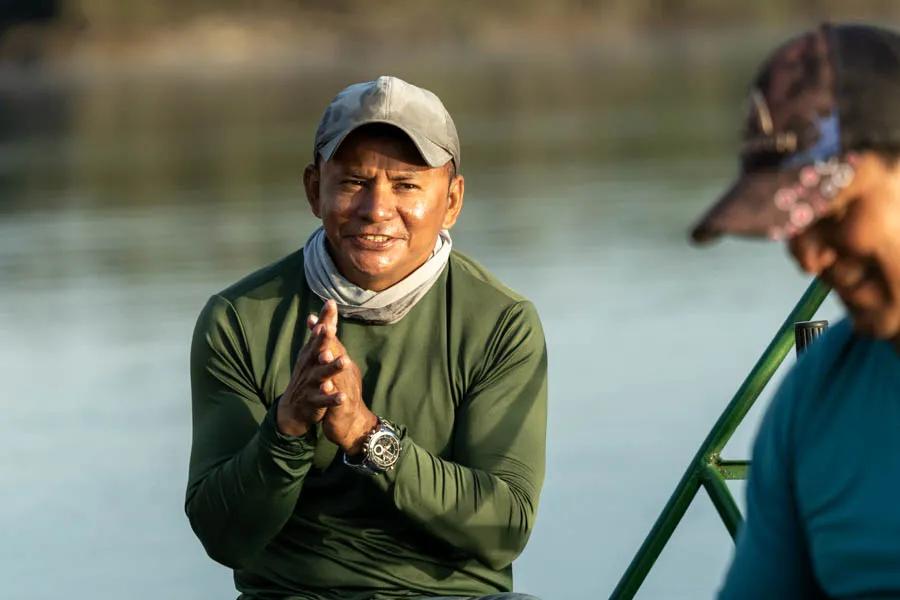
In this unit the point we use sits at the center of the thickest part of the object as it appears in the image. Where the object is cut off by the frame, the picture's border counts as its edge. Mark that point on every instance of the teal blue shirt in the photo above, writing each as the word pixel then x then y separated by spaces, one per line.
pixel 823 497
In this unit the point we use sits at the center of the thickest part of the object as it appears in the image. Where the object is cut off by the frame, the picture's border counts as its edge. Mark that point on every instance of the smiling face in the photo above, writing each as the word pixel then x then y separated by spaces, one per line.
pixel 382 207
pixel 856 248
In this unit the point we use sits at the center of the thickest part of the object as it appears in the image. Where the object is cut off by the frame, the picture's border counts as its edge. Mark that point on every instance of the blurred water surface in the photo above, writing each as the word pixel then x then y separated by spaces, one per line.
pixel 126 200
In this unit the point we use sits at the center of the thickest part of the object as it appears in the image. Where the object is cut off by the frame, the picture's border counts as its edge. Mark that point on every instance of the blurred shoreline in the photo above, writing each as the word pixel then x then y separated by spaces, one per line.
pixel 91 38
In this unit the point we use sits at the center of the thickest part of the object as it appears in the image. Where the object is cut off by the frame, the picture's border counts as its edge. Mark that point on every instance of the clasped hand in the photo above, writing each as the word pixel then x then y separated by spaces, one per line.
pixel 326 387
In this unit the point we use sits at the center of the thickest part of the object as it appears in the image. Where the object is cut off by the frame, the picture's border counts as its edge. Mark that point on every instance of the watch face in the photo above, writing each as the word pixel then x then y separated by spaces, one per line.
pixel 384 449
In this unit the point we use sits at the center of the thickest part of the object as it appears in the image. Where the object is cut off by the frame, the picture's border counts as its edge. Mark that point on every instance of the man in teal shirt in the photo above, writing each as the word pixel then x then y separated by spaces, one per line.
pixel 370 411
pixel 821 169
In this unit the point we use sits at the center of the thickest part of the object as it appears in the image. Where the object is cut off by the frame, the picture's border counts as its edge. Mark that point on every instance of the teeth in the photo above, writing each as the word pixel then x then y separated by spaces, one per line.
pixel 375 238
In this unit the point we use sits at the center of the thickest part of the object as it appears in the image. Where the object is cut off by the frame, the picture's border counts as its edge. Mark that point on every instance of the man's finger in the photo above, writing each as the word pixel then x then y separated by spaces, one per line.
pixel 319 373
pixel 317 339
pixel 329 328
pixel 329 311
pixel 311 321
pixel 309 353
pixel 329 316
pixel 313 345
pixel 327 386
pixel 326 400
pixel 326 357
pixel 312 348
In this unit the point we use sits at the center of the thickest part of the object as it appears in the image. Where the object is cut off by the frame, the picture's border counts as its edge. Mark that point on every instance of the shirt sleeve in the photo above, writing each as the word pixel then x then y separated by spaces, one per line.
pixel 484 501
pixel 771 558
pixel 245 476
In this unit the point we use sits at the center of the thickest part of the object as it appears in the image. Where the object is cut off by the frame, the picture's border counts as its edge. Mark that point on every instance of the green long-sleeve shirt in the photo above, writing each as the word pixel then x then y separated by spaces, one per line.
pixel 464 377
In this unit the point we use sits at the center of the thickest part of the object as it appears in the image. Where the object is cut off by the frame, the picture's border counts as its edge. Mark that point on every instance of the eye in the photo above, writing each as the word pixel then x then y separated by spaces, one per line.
pixel 353 182
pixel 406 186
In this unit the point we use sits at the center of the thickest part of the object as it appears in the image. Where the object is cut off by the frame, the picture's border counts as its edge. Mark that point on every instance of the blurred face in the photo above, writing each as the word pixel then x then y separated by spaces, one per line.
pixel 856 248
pixel 382 207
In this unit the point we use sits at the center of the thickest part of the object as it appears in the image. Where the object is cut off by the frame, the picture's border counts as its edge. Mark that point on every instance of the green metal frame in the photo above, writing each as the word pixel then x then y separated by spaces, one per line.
pixel 708 469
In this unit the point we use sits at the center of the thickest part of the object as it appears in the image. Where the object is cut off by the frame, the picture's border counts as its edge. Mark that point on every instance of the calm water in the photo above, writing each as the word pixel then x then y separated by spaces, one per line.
pixel 126 201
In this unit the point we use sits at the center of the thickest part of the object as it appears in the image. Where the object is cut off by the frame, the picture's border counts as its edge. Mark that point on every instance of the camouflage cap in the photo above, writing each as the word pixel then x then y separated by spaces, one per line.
pixel 819 98
pixel 416 111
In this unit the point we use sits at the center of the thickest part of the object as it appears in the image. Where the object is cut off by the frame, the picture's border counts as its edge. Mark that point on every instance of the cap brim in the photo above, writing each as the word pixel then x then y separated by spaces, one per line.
pixel 432 154
pixel 748 208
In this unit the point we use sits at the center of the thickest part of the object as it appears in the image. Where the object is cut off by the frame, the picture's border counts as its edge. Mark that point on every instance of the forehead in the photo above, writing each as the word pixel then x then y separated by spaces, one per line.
pixel 379 144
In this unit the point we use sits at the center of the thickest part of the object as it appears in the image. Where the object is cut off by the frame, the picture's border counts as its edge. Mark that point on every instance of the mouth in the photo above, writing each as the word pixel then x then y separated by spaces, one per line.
pixel 375 238
pixel 847 278
pixel 855 285
pixel 372 241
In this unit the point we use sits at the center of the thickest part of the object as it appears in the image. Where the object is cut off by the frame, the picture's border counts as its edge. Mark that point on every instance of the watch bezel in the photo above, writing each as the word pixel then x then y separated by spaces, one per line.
pixel 373 442
pixel 370 464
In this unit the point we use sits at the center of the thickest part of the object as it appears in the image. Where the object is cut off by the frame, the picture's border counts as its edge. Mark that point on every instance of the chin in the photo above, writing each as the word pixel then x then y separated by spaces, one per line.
pixel 372 275
pixel 881 325
pixel 373 265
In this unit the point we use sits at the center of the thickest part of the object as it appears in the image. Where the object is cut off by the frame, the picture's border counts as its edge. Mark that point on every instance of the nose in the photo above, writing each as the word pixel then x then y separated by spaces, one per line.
pixel 811 252
pixel 378 202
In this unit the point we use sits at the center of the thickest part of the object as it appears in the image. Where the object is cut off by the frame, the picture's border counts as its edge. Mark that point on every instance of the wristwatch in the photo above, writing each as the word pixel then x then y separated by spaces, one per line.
pixel 381 450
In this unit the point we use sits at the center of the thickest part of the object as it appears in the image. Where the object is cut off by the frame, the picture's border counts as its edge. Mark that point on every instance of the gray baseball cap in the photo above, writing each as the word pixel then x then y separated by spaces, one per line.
pixel 417 112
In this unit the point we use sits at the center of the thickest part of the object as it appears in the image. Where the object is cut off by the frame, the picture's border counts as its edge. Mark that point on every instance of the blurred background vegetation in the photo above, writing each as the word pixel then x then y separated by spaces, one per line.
pixel 170 32
pixel 125 82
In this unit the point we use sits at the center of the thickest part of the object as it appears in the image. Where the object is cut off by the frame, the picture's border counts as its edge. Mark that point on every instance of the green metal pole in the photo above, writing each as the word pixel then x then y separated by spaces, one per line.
pixel 659 536
pixel 731 469
pixel 764 368
pixel 723 501
pixel 718 436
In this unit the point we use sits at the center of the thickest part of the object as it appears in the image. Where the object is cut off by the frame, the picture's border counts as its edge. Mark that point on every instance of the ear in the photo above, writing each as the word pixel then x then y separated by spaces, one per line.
pixel 311 182
pixel 455 201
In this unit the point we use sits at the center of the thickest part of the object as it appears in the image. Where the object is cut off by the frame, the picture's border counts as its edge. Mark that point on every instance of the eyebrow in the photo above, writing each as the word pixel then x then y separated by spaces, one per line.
pixel 361 173
pixel 392 175
pixel 353 172
pixel 401 175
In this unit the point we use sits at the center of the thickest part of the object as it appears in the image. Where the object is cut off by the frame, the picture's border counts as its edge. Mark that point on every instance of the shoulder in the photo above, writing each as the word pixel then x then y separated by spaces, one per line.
pixel 826 352
pixel 281 277
pixel 480 297
pixel 794 410
pixel 495 322
pixel 470 279
pixel 814 365
pixel 800 395
pixel 830 359
pixel 254 297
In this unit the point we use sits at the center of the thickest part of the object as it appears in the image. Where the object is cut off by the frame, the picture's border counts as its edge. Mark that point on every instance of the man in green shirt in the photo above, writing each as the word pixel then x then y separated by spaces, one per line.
pixel 370 411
